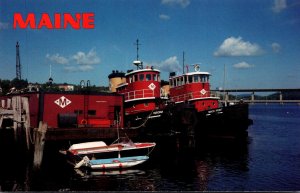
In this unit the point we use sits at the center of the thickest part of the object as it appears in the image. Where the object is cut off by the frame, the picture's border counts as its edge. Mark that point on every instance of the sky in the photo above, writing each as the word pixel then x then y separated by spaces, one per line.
pixel 254 43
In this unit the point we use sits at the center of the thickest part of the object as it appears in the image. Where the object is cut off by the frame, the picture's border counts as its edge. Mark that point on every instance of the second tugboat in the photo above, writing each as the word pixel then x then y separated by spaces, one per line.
pixel 198 111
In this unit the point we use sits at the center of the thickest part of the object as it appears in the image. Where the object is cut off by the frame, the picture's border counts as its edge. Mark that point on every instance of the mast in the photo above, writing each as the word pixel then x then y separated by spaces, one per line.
pixel 50 80
pixel 137 49
pixel 138 63
pixel 224 80
pixel 183 62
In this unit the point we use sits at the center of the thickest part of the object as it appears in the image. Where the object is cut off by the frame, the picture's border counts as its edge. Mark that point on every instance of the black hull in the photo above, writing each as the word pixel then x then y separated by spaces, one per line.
pixel 185 120
pixel 229 121
pixel 155 122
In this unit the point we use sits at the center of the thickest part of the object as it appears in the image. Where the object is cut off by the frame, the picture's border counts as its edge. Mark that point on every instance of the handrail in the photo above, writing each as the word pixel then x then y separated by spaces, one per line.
pixel 191 95
pixel 139 94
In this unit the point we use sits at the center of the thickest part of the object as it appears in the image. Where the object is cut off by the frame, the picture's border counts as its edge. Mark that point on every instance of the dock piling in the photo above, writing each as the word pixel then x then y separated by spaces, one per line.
pixel 39 142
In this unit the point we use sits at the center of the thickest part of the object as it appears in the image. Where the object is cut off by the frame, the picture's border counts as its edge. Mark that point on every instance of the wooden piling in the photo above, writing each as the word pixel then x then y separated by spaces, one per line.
pixel 26 120
pixel 39 142
pixel 16 106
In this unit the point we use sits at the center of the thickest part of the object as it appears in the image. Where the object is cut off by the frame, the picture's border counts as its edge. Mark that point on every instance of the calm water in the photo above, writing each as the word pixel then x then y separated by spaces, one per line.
pixel 267 160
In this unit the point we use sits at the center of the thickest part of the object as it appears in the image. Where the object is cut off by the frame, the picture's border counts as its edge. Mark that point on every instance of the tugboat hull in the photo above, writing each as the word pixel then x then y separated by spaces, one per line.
pixel 225 121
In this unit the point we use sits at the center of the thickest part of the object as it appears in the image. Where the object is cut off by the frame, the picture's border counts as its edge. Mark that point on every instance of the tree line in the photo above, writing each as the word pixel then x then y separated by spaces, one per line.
pixel 19 86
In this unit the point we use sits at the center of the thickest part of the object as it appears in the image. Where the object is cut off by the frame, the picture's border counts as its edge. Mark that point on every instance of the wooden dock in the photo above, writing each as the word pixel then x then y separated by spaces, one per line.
pixel 86 133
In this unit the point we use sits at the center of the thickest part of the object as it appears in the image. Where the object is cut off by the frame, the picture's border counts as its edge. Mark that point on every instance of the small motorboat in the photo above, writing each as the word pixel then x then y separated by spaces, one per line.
pixel 112 163
pixel 99 155
pixel 96 147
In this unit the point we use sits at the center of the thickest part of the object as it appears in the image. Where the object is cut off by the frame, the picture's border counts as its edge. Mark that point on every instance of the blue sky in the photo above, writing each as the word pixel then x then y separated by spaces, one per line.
pixel 258 40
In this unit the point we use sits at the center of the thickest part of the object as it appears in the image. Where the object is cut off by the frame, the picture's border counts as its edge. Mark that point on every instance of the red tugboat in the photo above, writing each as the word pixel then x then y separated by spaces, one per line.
pixel 197 110
pixel 186 104
pixel 142 94
pixel 193 87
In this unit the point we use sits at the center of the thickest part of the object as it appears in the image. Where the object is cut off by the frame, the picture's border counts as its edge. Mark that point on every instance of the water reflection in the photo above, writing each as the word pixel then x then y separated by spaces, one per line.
pixel 86 173
pixel 14 164
pixel 267 160
pixel 113 180
pixel 177 163
pixel 194 162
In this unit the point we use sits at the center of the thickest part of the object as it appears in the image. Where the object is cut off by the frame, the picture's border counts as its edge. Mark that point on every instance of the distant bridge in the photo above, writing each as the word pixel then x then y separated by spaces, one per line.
pixel 253 91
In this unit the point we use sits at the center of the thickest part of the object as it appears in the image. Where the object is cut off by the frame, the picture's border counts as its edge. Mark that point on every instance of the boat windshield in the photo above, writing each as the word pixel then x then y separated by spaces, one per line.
pixel 126 141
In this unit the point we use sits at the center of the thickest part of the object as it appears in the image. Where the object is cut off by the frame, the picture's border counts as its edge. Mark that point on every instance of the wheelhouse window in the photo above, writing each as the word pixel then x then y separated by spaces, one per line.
pixel 148 77
pixel 154 77
pixel 196 78
pixel 178 81
pixel 181 80
pixel 136 77
pixel 190 79
pixel 204 78
pixel 141 77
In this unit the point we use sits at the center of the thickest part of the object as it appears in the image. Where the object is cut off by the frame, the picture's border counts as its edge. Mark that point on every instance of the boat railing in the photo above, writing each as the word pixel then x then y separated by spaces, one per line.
pixel 191 95
pixel 139 94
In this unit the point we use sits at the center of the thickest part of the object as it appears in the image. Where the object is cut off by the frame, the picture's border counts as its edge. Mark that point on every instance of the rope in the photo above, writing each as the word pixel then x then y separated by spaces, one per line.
pixel 30 138
pixel 150 151
pixel 143 124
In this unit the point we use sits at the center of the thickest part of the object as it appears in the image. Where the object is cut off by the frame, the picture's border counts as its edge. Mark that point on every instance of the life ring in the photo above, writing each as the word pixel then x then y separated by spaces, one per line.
pixel 83 121
pixel 197 67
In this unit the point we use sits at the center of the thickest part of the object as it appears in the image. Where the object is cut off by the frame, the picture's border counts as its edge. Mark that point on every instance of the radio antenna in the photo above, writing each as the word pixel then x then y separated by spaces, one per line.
pixel 137 49
pixel 183 62
pixel 138 63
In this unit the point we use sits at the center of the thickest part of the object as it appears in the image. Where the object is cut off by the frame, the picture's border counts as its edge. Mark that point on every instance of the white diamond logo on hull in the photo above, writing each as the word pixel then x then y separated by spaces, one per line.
pixel 203 91
pixel 152 86
pixel 62 102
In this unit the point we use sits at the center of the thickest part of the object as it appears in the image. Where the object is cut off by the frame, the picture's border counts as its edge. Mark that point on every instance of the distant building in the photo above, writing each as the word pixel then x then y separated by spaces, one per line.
pixel 66 87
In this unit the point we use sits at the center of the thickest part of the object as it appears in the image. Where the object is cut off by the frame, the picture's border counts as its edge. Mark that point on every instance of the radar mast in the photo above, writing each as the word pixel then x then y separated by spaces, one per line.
pixel 137 62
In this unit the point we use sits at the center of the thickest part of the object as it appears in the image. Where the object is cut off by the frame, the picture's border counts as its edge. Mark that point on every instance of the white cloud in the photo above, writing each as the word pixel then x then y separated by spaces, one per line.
pixel 4 25
pixel 238 47
pixel 171 64
pixel 57 59
pixel 243 65
pixel 182 3
pixel 86 59
pixel 75 68
pixel 279 5
pixel 71 69
pixel 79 62
pixel 276 47
pixel 164 17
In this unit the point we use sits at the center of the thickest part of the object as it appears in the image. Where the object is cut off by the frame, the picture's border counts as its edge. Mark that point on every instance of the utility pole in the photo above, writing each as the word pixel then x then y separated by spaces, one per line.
pixel 18 62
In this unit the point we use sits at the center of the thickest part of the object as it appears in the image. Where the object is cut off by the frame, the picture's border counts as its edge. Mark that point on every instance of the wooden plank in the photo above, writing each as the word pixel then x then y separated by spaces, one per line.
pixel 39 140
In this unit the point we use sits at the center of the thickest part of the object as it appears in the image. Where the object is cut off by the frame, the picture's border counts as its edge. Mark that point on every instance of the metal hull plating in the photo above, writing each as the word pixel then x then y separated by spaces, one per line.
pixel 225 121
